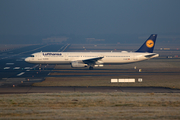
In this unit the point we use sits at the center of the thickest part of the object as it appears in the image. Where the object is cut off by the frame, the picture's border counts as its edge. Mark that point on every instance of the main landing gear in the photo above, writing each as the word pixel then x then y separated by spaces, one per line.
pixel 90 68
pixel 40 66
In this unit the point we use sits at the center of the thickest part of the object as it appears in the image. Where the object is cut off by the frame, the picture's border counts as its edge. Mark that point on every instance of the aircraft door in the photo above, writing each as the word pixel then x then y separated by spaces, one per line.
pixel 66 58
pixel 39 56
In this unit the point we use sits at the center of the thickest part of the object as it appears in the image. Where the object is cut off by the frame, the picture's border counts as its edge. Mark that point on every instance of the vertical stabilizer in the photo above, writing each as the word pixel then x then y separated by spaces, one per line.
pixel 149 44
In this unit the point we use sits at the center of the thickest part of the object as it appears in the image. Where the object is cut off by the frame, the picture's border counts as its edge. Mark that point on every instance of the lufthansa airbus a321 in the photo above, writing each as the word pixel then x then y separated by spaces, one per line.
pixel 96 59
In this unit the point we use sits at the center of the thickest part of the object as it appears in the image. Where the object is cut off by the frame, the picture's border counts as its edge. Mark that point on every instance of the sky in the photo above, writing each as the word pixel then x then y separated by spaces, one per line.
pixel 79 17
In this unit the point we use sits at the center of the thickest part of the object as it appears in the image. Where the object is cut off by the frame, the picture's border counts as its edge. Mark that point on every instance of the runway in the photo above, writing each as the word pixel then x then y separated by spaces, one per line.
pixel 15 71
pixel 12 62
pixel 26 90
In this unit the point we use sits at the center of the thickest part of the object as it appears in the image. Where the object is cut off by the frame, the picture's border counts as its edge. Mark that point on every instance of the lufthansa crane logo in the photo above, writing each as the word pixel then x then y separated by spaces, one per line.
pixel 150 43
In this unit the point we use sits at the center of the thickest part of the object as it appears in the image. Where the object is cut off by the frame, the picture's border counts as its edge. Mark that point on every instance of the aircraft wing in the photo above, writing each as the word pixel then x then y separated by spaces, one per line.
pixel 91 60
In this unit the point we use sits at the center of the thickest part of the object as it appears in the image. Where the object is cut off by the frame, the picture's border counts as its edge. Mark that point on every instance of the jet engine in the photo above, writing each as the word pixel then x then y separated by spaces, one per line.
pixel 78 64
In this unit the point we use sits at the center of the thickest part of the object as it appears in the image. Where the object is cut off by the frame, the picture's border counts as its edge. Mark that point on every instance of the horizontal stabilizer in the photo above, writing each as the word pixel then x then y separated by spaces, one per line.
pixel 149 56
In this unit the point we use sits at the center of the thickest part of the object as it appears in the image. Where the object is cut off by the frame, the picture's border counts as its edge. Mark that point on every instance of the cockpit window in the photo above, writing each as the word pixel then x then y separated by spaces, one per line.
pixel 32 55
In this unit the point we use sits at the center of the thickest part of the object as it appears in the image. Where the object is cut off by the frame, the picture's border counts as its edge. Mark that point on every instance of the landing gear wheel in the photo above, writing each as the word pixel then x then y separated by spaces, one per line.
pixel 90 68
pixel 39 66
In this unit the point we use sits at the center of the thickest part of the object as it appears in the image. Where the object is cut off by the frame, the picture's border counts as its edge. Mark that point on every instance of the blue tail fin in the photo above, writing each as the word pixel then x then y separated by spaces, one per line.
pixel 148 46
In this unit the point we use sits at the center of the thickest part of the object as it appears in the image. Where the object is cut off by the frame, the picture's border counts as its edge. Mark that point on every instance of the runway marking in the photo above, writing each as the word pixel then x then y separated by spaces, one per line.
pixel 7 68
pixel 16 68
pixel 24 52
pixel 9 63
pixel 20 74
pixel 34 66
pixel 61 49
pixel 65 47
pixel 19 59
pixel 27 68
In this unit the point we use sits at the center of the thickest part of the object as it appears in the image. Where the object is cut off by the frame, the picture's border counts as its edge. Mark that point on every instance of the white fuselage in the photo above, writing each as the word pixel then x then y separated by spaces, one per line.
pixel 69 57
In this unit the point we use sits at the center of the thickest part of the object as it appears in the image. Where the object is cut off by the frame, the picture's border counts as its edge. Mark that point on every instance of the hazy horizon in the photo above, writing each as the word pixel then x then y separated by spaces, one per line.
pixel 33 20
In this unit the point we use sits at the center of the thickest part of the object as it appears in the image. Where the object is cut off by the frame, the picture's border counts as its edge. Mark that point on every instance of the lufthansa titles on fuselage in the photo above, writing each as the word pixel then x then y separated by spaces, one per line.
pixel 52 54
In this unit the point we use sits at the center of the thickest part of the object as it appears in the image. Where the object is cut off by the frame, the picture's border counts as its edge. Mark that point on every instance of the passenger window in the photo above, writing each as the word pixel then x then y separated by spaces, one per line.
pixel 32 55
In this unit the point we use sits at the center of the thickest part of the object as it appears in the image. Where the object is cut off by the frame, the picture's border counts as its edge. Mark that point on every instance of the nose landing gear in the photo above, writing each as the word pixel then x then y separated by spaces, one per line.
pixel 90 68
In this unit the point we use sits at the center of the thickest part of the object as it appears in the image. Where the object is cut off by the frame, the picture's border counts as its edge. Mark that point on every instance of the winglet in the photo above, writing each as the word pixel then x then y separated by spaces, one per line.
pixel 149 44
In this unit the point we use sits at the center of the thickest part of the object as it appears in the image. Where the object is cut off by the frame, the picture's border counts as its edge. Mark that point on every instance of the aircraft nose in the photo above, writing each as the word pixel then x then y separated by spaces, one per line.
pixel 27 59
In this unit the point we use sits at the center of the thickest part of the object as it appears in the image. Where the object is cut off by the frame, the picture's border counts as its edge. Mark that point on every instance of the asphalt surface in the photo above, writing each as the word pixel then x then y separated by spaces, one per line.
pixel 17 76
pixel 12 64
pixel 28 89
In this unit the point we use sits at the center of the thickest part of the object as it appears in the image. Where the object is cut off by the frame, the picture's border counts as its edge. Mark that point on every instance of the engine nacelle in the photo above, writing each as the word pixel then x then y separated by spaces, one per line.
pixel 75 64
pixel 100 65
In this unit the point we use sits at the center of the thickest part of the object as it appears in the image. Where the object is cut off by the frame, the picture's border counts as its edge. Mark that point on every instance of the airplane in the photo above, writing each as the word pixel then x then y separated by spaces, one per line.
pixel 96 59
